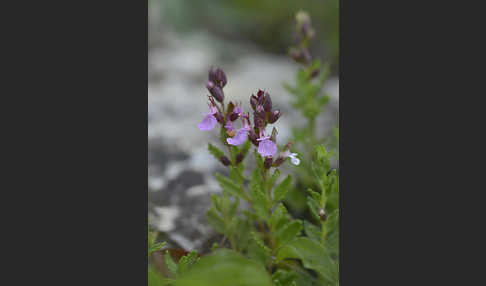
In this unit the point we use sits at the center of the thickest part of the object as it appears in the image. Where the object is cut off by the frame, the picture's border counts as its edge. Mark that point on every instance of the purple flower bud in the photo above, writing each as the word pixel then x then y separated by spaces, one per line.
pixel 259 122
pixel 260 96
pixel 253 137
pixel 268 162
pixel 219 117
pixel 217 76
pixel 267 103
pixel 233 116
pixel 278 161
pixel 253 101
pixel 274 116
pixel 239 158
pixel 225 160
pixel 215 91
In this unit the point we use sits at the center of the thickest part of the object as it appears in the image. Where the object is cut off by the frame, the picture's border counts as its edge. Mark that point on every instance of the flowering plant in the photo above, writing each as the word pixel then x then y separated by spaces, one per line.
pixel 262 243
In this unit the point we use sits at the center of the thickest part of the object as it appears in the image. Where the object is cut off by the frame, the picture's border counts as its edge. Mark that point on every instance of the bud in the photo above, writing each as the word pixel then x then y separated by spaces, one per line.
pixel 217 76
pixel 215 91
pixel 253 101
pixel 219 117
pixel 315 73
pixel 239 158
pixel 278 161
pixel 274 116
pixel 267 103
pixel 259 122
pixel 260 96
pixel 233 116
pixel 252 136
pixel 322 214
pixel 273 137
pixel 231 106
pixel 225 160
pixel 268 162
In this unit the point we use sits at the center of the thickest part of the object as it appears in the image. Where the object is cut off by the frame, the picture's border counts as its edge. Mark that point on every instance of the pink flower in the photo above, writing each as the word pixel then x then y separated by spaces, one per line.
pixel 209 120
pixel 240 136
pixel 266 147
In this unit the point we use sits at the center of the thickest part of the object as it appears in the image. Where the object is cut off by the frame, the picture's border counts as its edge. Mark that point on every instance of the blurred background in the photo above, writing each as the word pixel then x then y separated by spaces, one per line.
pixel 249 40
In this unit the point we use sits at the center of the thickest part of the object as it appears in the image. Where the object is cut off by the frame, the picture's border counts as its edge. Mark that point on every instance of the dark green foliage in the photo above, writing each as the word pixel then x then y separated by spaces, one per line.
pixel 223 268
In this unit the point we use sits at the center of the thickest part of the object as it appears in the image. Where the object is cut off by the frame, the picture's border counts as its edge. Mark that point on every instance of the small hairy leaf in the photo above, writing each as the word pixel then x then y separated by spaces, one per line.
pixel 282 189
pixel 170 263
pixel 215 151
pixel 289 232
pixel 313 232
pixel 216 221
pixel 230 186
pixel 186 262
pixel 273 179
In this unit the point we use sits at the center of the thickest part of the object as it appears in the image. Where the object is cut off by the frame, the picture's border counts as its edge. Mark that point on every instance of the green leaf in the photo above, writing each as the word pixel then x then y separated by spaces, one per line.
pixel 282 189
pixel 170 263
pixel 313 256
pixel 186 262
pixel 155 279
pixel 245 148
pixel 260 243
pixel 332 236
pixel 236 175
pixel 279 218
pixel 215 151
pixel 273 179
pixel 229 186
pixel 216 221
pixel 314 207
pixel 313 232
pixel 288 233
pixel 225 267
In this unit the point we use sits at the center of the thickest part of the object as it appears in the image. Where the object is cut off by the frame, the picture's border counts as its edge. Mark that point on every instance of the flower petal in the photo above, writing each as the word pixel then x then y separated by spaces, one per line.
pixel 267 148
pixel 239 138
pixel 208 123
pixel 295 160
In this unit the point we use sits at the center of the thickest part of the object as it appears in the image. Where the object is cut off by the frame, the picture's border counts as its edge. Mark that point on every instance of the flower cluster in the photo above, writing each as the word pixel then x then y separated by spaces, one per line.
pixel 227 116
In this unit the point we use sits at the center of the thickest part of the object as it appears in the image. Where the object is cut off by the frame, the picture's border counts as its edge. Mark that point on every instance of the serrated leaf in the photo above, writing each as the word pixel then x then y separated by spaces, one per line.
pixel 260 243
pixel 186 262
pixel 236 175
pixel 314 207
pixel 156 247
pixel 273 179
pixel 313 256
pixel 288 233
pixel 282 189
pixel 245 148
pixel 229 186
pixel 213 150
pixel 170 263
pixel 313 232
pixel 279 218
pixel 215 221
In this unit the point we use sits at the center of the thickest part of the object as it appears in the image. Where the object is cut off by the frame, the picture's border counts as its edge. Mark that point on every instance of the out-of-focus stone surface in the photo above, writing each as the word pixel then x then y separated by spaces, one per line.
pixel 181 171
